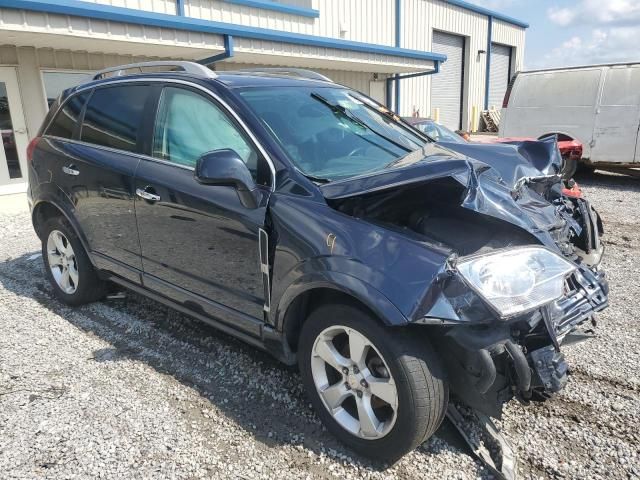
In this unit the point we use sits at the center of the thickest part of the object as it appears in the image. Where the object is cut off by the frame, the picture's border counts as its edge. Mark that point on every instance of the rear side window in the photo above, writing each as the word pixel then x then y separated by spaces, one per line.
pixel 67 118
pixel 113 116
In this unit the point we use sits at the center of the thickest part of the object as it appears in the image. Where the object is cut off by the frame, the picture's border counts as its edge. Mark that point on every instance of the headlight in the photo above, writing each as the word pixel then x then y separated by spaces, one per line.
pixel 518 280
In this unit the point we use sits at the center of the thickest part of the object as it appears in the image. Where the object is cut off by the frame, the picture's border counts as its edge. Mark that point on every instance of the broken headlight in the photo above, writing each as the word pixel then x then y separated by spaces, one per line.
pixel 517 280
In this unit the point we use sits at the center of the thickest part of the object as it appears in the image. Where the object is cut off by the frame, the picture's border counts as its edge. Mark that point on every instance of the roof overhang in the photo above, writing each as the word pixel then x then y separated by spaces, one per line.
pixel 108 29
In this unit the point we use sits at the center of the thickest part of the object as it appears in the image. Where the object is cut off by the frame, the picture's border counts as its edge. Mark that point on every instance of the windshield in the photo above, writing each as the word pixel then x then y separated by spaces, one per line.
pixel 438 132
pixel 331 133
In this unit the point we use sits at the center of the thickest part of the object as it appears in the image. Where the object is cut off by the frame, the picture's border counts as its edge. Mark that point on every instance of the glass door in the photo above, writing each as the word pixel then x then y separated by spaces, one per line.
pixel 13 166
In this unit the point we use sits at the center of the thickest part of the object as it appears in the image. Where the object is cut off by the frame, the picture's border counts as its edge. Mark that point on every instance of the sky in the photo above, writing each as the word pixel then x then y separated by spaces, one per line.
pixel 575 32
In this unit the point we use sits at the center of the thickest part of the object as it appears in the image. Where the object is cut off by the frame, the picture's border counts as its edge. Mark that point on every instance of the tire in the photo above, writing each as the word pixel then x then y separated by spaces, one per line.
pixel 84 285
pixel 569 168
pixel 421 388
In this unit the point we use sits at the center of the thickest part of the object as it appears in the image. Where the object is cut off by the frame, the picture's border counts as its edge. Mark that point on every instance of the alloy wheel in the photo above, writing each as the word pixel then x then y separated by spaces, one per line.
pixel 62 262
pixel 354 382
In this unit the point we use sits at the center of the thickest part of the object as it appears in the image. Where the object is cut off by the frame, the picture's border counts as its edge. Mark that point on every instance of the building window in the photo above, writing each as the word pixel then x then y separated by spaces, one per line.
pixel 56 82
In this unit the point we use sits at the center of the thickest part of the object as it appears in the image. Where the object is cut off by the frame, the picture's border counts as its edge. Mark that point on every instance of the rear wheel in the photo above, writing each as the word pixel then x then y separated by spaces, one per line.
pixel 381 391
pixel 67 264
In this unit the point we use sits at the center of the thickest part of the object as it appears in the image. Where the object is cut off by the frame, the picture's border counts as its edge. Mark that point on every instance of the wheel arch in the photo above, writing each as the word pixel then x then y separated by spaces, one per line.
pixel 46 209
pixel 567 135
pixel 301 299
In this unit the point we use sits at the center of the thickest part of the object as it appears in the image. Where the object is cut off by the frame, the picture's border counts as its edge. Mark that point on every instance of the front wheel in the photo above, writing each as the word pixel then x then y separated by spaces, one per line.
pixel 381 391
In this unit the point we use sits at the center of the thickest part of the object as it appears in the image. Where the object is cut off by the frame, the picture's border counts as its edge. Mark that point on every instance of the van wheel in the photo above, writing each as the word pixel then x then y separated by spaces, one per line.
pixel 569 167
pixel 67 264
pixel 380 391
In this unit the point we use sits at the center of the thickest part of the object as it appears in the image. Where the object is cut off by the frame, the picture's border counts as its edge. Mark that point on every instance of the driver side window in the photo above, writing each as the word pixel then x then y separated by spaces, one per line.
pixel 189 125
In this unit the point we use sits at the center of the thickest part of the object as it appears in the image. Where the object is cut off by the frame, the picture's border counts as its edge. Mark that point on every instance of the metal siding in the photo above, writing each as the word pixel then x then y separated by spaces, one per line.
pixel 446 86
pixel 60 31
pixel 371 24
pixel 499 75
pixel 357 80
pixel 157 6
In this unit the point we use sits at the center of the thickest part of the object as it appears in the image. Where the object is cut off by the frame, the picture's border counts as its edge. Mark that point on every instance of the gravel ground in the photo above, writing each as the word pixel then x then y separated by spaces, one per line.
pixel 129 388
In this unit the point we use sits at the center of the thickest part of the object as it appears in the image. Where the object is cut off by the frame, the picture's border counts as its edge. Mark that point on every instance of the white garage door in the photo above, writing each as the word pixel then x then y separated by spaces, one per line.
pixel 446 86
pixel 499 74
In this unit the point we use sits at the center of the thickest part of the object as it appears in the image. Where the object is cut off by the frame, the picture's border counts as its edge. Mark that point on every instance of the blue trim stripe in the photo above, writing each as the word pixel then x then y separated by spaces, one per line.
pixel 278 7
pixel 79 8
pixel 487 12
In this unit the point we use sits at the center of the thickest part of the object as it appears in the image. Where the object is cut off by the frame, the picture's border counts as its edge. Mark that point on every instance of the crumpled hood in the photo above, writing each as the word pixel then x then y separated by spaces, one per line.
pixel 512 182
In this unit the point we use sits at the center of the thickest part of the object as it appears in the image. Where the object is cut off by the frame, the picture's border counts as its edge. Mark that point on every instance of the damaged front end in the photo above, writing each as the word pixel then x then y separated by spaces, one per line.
pixel 522 275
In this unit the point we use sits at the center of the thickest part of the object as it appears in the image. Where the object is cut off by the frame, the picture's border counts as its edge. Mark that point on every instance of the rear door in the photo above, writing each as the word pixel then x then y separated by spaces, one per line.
pixel 615 134
pixel 200 245
pixel 96 169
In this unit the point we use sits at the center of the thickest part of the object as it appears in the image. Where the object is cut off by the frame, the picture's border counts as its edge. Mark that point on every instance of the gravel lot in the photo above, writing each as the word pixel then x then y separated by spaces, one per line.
pixel 129 388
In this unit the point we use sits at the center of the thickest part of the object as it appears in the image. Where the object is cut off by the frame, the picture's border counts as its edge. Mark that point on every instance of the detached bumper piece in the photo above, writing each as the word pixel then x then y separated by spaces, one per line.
pixel 485 441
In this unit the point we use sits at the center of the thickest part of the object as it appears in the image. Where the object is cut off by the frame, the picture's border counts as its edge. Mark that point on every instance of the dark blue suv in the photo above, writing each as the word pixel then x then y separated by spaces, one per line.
pixel 312 222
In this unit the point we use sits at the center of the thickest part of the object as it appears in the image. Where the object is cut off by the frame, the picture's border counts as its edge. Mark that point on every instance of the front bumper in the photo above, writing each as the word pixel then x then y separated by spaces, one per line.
pixel 490 364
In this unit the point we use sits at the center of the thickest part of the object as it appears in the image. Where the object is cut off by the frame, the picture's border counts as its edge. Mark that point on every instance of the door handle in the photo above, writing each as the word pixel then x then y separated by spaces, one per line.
pixel 152 197
pixel 71 170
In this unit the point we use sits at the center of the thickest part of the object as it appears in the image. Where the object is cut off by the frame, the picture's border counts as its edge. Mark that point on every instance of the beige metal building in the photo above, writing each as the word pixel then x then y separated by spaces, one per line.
pixel 421 57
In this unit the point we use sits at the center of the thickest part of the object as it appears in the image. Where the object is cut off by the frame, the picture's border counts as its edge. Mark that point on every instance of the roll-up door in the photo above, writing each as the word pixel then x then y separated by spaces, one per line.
pixel 446 86
pixel 499 74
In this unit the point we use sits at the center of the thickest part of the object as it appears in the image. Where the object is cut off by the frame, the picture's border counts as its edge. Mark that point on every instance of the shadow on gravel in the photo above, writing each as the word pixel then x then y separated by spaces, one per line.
pixel 614 181
pixel 261 395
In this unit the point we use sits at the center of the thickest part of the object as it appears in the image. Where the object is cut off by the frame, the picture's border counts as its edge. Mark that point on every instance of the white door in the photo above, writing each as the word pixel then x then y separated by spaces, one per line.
pixel 13 162
pixel 446 86
pixel 615 133
pixel 499 74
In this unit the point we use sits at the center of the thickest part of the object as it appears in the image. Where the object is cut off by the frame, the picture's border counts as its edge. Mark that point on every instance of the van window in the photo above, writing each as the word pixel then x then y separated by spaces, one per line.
pixel 621 87
pixel 188 125
pixel 558 89
pixel 114 116
pixel 65 122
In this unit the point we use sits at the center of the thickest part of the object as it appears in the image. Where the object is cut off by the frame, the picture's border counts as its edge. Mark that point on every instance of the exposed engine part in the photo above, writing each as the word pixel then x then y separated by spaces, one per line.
pixel 550 369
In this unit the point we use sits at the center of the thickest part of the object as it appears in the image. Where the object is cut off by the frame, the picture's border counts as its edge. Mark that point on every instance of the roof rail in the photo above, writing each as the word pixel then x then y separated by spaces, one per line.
pixel 156 67
pixel 294 72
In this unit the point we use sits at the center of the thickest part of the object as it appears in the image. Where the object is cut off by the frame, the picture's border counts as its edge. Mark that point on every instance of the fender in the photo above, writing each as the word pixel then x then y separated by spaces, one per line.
pixel 57 198
pixel 353 286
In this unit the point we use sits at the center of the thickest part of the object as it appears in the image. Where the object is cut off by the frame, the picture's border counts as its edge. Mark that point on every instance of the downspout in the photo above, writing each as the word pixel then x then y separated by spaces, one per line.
pixel 228 52
pixel 398 42
pixel 180 8
pixel 488 58
pixel 397 78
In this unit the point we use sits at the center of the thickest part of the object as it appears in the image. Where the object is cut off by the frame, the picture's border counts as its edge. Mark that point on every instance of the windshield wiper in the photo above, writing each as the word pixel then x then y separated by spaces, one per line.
pixel 315 179
pixel 345 113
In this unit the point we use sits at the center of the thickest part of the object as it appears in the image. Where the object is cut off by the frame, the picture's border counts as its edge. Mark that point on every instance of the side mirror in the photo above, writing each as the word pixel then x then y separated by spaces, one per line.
pixel 225 167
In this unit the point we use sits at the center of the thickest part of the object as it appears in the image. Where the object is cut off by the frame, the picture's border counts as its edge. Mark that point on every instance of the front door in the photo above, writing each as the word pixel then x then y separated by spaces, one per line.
pixel 199 243
pixel 13 166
